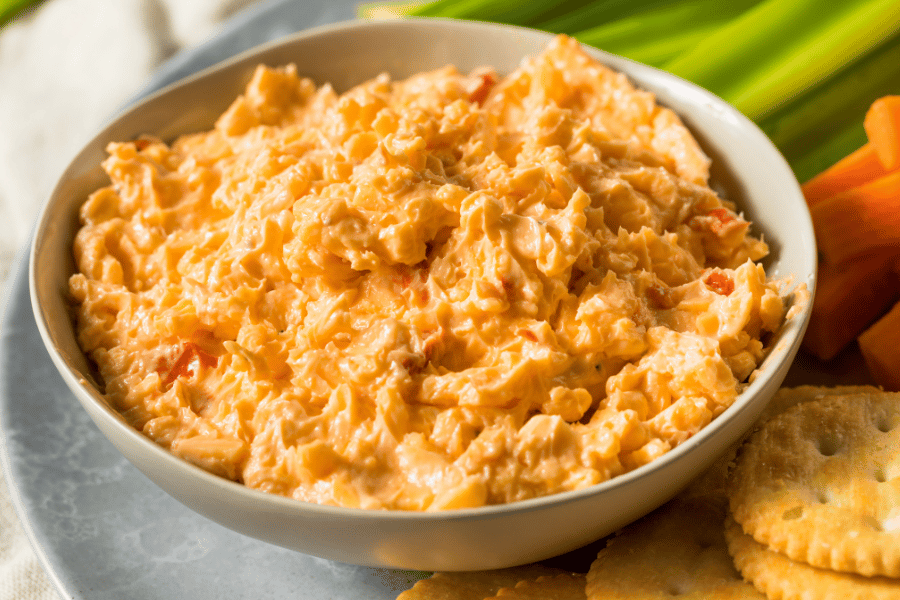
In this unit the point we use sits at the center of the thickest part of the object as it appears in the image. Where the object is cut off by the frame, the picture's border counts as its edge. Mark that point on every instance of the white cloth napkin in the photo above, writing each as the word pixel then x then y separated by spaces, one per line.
pixel 64 69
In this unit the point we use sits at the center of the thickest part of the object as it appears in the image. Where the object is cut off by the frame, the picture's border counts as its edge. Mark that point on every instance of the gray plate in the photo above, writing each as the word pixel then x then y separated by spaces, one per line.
pixel 99 527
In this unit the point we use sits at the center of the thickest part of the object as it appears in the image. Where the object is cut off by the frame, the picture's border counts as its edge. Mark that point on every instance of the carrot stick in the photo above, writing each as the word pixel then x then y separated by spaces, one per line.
pixel 860 220
pixel 878 345
pixel 855 169
pixel 882 125
pixel 848 299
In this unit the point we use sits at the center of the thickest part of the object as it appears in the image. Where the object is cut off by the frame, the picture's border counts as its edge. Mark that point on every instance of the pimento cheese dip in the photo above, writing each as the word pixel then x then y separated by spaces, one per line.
pixel 443 292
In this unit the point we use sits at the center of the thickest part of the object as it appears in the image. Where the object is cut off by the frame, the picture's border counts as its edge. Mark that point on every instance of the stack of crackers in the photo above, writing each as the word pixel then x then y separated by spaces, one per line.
pixel 807 508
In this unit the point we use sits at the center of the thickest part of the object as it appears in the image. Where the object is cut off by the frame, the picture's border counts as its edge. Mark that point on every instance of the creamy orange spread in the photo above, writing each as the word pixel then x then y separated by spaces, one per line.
pixel 442 292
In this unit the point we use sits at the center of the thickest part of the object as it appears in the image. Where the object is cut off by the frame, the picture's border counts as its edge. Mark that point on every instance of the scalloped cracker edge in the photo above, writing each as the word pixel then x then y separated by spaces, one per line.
pixel 780 578
pixel 820 483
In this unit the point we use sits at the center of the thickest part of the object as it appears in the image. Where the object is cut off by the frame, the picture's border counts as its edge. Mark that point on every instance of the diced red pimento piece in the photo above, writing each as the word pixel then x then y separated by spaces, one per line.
pixel 402 276
pixel 182 366
pixel 719 283
pixel 721 222
pixel 528 335
pixel 208 361
pixel 721 218
pixel 411 278
pixel 480 93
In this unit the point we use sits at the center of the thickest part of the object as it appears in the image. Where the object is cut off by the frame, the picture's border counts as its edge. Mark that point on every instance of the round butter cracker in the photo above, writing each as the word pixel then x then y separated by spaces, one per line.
pixel 715 479
pixel 781 578
pixel 678 550
pixel 820 483
pixel 787 397
pixel 474 585
pixel 566 586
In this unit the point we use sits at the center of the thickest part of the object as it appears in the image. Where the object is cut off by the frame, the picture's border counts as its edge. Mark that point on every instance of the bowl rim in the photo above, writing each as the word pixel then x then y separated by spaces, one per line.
pixel 636 72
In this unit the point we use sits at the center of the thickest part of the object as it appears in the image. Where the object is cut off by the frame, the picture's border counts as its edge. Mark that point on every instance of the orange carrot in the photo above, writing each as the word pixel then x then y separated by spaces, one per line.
pixel 848 299
pixel 878 345
pixel 882 125
pixel 853 170
pixel 860 220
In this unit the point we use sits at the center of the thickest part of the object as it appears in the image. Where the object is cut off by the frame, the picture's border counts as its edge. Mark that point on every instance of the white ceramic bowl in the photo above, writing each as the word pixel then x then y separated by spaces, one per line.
pixel 745 163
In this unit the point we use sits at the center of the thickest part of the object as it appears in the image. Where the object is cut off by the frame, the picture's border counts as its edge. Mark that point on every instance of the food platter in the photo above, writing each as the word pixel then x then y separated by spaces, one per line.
pixel 100 528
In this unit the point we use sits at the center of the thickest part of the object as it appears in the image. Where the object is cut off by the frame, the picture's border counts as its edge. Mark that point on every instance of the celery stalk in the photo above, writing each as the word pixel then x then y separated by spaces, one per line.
pixel 387 10
pixel 809 130
pixel 649 31
pixel 504 11
pixel 781 48
pixel 656 36
pixel 10 9
pixel 592 14
pixel 557 16
pixel 653 52
pixel 847 39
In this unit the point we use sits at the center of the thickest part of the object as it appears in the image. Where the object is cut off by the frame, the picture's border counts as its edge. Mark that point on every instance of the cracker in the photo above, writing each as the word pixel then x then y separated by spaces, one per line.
pixel 474 585
pixel 780 578
pixel 820 483
pixel 677 550
pixel 713 482
pixel 785 398
pixel 714 479
pixel 566 586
